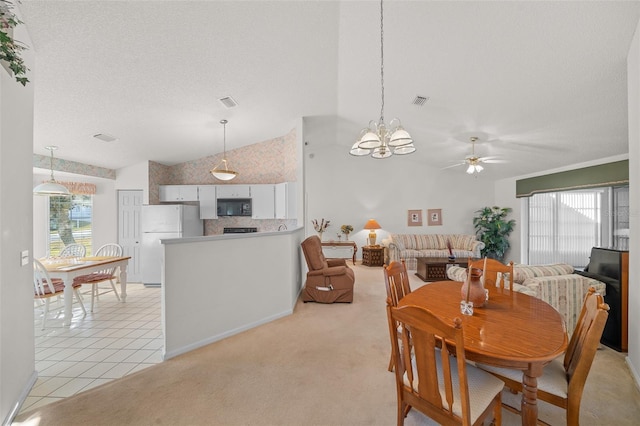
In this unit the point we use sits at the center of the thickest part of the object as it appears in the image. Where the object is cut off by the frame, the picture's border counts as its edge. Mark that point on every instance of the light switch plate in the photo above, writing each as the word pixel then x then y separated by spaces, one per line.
pixel 24 257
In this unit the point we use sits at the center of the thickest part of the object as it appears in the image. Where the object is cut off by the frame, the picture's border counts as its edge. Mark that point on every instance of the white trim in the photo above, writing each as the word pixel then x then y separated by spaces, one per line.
pixel 23 396
pixel 634 373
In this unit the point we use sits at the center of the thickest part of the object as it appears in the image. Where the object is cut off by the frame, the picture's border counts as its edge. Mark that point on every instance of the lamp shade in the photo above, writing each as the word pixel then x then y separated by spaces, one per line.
pixel 372 224
pixel 51 188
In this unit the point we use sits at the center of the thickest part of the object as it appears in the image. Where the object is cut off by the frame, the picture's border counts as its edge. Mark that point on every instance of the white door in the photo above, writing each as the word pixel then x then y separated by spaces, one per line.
pixel 129 231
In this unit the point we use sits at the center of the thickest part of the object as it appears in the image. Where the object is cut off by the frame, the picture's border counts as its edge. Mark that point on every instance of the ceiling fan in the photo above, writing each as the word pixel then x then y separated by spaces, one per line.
pixel 473 161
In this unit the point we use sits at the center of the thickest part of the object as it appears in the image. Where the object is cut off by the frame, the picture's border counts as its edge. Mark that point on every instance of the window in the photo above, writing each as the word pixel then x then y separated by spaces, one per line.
pixel 70 221
pixel 564 226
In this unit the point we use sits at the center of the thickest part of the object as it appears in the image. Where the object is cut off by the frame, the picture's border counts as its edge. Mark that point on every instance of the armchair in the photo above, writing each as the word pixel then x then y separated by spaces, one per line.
pixel 328 280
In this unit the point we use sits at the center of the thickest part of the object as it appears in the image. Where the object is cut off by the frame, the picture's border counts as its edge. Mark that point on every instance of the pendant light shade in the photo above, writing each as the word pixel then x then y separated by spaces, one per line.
pixel 51 187
pixel 222 171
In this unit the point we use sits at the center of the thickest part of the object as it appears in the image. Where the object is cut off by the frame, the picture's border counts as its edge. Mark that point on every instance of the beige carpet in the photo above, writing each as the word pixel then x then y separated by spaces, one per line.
pixel 323 365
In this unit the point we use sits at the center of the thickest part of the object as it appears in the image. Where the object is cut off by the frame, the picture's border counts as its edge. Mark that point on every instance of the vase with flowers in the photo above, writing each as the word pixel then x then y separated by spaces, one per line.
pixel 321 226
pixel 346 230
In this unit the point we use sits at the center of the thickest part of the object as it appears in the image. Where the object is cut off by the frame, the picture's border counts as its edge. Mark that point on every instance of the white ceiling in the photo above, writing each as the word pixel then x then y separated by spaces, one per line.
pixel 542 83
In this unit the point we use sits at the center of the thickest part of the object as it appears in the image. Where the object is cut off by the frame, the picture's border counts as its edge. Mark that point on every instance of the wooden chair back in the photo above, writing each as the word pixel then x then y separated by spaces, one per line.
pixel 43 284
pixel 110 249
pixel 495 274
pixel 582 348
pixel 396 280
pixel 425 377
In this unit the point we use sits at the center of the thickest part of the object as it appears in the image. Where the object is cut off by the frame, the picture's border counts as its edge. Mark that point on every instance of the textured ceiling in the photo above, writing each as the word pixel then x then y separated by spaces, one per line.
pixel 542 83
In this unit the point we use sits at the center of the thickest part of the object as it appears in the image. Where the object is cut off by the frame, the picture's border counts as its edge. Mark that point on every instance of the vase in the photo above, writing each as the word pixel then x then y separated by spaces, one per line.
pixel 320 235
pixel 472 289
pixel 346 236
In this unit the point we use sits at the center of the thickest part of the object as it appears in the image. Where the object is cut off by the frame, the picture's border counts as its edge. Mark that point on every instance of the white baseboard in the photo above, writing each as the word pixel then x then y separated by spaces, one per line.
pixel 634 373
pixel 23 396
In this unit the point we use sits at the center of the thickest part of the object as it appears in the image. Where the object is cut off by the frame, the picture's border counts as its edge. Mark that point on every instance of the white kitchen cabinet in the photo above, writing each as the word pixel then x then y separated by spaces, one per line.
pixel 178 193
pixel 233 191
pixel 286 206
pixel 208 202
pixel 263 201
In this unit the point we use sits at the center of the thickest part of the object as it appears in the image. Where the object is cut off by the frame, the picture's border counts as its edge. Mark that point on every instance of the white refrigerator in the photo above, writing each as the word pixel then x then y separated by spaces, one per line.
pixel 162 222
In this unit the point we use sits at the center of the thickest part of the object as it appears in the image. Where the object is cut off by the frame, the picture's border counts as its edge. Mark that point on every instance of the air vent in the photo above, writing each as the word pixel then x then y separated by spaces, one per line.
pixel 105 137
pixel 420 100
pixel 228 102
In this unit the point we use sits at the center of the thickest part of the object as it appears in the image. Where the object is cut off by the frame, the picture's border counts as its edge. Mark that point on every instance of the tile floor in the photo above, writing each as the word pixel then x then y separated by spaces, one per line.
pixel 115 340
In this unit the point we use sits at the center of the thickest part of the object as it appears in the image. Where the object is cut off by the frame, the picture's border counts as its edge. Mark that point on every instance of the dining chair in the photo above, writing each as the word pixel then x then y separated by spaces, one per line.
pixel 563 380
pixel 436 381
pixel 95 278
pixel 494 273
pixel 73 250
pixel 396 281
pixel 45 287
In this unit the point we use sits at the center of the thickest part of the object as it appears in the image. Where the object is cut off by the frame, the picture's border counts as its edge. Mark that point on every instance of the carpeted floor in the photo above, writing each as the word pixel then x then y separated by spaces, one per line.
pixel 323 365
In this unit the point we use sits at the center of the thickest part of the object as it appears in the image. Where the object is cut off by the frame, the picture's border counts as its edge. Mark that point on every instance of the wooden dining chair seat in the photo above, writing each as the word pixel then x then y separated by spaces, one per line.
pixel 106 275
pixel 494 273
pixel 45 287
pixel 396 280
pixel 436 382
pixel 563 380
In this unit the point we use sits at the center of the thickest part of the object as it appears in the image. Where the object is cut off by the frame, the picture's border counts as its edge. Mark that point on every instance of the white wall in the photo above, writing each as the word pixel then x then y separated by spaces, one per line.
pixel 134 177
pixel 17 353
pixel 350 190
pixel 217 286
pixel 633 82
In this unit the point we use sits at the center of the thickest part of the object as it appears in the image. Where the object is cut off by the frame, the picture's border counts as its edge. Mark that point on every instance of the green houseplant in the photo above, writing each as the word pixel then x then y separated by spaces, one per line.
pixel 9 47
pixel 493 229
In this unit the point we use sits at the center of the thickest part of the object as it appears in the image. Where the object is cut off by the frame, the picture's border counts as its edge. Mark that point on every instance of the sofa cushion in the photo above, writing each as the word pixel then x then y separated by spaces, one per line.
pixel 460 241
pixel 522 272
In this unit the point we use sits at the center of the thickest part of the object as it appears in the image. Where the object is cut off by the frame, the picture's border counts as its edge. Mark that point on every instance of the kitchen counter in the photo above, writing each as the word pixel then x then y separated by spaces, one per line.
pixel 230 236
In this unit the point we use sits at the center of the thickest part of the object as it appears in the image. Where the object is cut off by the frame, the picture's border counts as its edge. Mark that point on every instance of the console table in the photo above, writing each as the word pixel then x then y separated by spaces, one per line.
pixel 337 244
pixel 435 268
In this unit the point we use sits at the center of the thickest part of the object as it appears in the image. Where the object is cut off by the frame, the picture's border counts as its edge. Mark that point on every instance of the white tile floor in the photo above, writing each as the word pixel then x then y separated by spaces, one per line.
pixel 115 340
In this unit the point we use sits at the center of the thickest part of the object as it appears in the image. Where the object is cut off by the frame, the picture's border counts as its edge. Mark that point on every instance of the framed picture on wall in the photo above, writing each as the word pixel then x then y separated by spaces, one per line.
pixel 434 217
pixel 414 218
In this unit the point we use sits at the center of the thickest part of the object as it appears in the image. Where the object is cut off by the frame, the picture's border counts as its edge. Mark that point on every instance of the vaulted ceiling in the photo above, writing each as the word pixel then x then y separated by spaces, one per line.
pixel 541 83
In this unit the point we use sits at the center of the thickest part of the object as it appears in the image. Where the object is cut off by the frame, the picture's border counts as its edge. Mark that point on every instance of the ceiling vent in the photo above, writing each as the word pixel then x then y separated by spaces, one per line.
pixel 105 137
pixel 420 100
pixel 228 102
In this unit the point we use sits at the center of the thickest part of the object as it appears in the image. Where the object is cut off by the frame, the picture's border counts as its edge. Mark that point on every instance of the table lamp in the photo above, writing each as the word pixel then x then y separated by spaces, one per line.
pixel 372 225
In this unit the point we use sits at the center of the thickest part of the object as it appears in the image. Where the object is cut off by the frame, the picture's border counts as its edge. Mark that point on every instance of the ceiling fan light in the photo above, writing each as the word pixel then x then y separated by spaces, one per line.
pixel 405 149
pixel 470 169
pixel 479 168
pixel 357 151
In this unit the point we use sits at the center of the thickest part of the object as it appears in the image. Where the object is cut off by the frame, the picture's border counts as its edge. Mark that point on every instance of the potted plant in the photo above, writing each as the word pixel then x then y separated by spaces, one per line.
pixel 9 47
pixel 346 230
pixel 493 229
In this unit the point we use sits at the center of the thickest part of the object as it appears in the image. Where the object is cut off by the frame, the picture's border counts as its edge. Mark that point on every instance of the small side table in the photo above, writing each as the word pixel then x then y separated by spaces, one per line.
pixel 373 255
pixel 338 244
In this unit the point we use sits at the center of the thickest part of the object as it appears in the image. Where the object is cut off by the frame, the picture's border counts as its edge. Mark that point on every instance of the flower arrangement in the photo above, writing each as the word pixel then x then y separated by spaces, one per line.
pixel 9 47
pixel 320 226
pixel 346 229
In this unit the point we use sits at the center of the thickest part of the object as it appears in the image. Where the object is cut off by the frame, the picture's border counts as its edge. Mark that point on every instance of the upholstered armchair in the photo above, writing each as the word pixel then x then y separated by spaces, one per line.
pixel 328 280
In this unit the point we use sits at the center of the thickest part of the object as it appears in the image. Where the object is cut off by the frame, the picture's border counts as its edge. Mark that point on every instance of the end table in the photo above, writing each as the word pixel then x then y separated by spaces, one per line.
pixel 373 255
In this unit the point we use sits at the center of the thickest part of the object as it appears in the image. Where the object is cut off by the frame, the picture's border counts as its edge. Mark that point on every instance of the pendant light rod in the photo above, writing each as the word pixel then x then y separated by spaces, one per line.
pixel 51 187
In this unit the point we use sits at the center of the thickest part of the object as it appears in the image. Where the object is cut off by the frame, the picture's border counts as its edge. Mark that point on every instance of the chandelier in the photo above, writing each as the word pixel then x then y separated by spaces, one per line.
pixel 221 171
pixel 51 187
pixel 377 139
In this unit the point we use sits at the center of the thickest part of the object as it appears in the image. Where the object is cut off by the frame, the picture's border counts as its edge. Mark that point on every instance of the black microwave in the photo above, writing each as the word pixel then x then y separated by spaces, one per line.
pixel 234 206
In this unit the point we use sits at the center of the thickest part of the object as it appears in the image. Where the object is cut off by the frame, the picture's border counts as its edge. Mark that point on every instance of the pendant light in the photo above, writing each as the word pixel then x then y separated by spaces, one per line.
pixel 51 187
pixel 221 171
pixel 377 139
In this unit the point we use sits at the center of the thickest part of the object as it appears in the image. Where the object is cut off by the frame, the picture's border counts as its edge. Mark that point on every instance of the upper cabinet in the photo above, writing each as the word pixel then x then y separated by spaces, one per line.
pixel 233 191
pixel 286 200
pixel 208 202
pixel 263 201
pixel 178 193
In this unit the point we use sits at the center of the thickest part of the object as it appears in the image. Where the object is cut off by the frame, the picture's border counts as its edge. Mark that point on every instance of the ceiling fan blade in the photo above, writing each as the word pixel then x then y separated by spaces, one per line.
pixel 494 161
pixel 453 165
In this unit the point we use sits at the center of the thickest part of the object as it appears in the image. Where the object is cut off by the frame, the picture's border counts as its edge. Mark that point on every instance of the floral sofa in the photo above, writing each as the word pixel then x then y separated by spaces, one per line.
pixel 412 246
pixel 556 284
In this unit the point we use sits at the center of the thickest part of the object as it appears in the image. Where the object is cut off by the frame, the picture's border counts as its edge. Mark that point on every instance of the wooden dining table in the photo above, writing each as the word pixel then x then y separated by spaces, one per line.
pixel 513 330
pixel 69 268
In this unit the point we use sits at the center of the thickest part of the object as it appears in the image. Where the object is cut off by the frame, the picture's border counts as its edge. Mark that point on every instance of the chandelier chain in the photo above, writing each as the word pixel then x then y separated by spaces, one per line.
pixel 382 61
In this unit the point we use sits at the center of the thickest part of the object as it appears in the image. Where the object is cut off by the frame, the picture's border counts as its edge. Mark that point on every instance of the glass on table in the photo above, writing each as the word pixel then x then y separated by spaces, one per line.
pixel 466 308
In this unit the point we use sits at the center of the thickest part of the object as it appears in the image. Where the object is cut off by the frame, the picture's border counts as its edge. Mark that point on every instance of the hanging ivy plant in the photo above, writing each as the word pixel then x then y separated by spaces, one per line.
pixel 10 48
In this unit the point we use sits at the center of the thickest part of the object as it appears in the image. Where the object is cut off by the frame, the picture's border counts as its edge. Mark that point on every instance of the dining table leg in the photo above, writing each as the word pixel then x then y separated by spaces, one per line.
pixel 68 301
pixel 529 405
pixel 123 282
